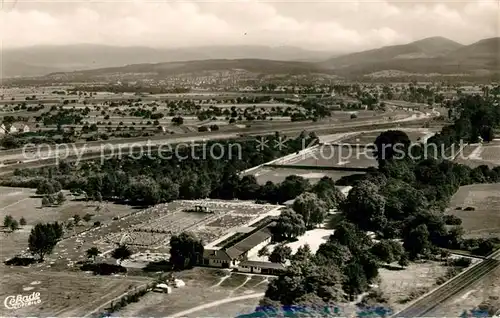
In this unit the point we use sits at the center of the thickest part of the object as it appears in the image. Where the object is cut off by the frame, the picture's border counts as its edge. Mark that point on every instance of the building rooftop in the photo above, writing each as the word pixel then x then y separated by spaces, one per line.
pixel 262 264
pixel 248 243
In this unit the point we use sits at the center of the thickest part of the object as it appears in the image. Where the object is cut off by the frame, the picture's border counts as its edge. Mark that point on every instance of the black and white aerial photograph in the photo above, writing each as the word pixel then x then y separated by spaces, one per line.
pixel 250 158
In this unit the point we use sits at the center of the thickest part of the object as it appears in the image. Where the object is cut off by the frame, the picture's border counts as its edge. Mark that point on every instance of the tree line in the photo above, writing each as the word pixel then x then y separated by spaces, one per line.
pixel 191 173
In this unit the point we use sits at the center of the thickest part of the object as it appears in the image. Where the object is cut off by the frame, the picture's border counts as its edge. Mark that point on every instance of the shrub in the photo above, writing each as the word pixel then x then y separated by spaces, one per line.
pixel 459 262
pixel 452 220
pixel 103 268
pixel 159 266
pixel 20 261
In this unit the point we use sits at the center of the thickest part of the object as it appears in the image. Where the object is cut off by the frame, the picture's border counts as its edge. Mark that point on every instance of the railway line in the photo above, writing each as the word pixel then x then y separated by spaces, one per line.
pixel 424 306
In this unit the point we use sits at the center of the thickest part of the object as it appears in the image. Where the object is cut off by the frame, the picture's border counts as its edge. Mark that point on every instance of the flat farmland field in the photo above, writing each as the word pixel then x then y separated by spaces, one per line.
pixel 276 175
pixel 257 106
pixel 337 156
pixel 363 138
pixel 415 279
pixel 484 221
pixel 491 153
pixel 468 151
pixel 480 154
pixel 63 294
pixel 206 289
pixel 23 203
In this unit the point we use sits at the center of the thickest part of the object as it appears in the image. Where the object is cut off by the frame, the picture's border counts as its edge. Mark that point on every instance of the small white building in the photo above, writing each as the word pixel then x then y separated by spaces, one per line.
pixel 178 283
pixel 163 288
pixel 20 127
pixel 289 203
pixel 14 128
pixel 261 267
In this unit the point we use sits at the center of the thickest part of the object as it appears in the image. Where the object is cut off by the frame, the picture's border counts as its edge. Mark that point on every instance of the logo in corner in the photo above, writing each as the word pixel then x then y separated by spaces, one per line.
pixel 20 301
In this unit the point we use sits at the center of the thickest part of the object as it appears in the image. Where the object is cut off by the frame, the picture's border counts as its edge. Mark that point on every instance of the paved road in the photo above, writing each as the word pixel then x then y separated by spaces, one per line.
pixel 93 150
pixel 424 306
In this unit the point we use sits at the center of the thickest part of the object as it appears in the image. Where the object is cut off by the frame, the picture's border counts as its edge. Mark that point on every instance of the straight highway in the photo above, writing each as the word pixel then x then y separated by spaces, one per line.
pixel 82 148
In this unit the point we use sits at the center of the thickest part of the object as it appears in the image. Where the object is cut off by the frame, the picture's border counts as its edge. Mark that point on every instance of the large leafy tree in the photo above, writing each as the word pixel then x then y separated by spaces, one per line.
pixel 7 221
pixel 356 280
pixel 326 191
pixel 306 278
pixel 280 254
pixel 121 253
pixel 312 209
pixel 402 200
pixel 417 242
pixel 348 234
pixel 48 186
pixel 144 190
pixel 387 251
pixel 169 189
pixel 366 207
pixel 303 253
pixel 289 226
pixel 43 238
pixel 249 188
pixel 391 144
pixel 186 250
pixel 292 187
pixel 93 252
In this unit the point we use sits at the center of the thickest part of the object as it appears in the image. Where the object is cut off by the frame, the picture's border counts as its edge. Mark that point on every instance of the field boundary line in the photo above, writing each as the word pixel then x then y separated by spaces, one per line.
pixel 12 204
pixel 114 299
pixel 215 303
pixel 284 158
pixel 437 288
pixel 447 282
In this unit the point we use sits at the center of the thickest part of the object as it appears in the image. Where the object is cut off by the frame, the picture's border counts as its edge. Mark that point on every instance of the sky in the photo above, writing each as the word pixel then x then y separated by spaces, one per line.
pixel 324 25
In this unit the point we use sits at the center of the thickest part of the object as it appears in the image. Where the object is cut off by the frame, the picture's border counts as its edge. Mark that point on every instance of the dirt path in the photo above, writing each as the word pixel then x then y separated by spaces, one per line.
pixel 100 307
pixel 12 204
pixel 215 303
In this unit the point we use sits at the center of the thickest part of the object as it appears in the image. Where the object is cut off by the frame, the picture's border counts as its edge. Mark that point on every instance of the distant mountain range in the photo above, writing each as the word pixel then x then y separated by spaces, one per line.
pixel 430 57
pixel 41 60
pixel 426 48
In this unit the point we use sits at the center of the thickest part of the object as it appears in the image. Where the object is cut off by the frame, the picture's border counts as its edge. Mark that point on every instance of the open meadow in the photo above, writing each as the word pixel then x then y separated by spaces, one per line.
pixel 279 174
pixel 480 154
pixel 66 291
pixel 484 295
pixel 24 203
pixel 63 294
pixel 144 230
pixel 329 155
pixel 484 219
pixel 401 286
pixel 205 292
